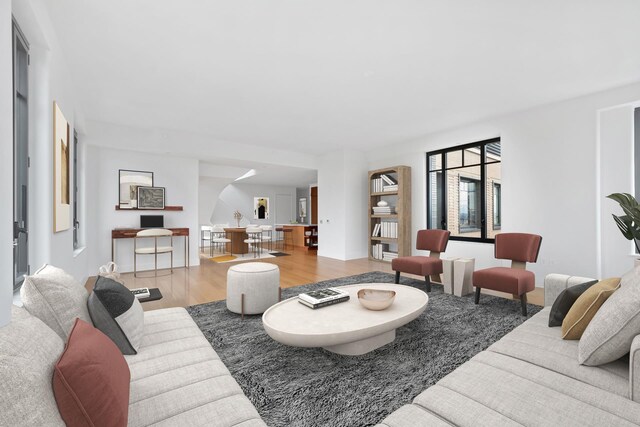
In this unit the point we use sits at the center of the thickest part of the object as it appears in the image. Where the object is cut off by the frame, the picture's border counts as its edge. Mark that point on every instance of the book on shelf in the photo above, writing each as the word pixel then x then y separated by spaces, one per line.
pixel 389 188
pixel 388 179
pixel 378 250
pixel 388 229
pixel 388 256
pixel 141 293
pixel 323 297
pixel 384 210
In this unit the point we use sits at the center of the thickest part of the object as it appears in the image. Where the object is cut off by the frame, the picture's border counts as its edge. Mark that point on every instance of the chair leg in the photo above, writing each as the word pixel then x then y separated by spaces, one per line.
pixel 397 277
pixel 427 281
pixel 477 295
pixel 523 303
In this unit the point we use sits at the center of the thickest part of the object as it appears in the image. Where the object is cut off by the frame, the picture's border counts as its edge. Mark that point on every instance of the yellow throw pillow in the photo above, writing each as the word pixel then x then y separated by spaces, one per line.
pixel 586 306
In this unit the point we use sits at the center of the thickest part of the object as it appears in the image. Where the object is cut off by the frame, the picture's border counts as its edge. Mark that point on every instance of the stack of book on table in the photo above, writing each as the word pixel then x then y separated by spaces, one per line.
pixel 323 297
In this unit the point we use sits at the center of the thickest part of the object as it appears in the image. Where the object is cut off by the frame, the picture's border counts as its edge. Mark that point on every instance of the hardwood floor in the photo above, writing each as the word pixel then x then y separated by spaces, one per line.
pixel 207 282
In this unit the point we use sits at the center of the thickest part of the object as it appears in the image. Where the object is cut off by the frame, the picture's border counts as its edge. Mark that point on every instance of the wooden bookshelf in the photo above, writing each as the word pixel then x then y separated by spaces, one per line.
pixel 401 199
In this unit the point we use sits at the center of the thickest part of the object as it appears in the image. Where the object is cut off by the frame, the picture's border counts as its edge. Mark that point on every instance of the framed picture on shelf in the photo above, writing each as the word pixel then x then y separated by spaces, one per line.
pixel 150 197
pixel 128 183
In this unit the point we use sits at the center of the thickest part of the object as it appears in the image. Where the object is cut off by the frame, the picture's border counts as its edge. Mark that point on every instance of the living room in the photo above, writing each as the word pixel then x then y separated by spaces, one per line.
pixel 242 115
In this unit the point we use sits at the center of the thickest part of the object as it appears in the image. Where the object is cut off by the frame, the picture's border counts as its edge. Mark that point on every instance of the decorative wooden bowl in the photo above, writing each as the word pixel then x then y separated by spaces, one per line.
pixel 376 299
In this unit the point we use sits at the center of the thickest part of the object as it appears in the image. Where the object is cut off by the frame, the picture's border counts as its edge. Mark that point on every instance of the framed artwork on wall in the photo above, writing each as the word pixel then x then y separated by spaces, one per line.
pixel 61 174
pixel 260 208
pixel 128 183
pixel 150 197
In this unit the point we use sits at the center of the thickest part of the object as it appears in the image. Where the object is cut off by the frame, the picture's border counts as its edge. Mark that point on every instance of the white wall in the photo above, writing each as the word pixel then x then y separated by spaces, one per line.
pixel 180 178
pixel 240 197
pixel 342 201
pixel 208 196
pixel 615 175
pixel 6 162
pixel 549 179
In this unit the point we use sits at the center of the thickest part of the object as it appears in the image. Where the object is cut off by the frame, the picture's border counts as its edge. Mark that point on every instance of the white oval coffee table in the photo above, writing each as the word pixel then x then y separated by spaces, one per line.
pixel 345 328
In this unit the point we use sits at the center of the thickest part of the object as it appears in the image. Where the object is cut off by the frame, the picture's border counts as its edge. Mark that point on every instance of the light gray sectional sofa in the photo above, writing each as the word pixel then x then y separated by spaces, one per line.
pixel 531 377
pixel 177 379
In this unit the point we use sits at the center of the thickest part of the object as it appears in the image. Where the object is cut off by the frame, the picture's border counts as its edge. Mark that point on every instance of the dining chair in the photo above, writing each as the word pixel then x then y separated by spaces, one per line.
pixel 429 267
pixel 254 240
pixel 219 238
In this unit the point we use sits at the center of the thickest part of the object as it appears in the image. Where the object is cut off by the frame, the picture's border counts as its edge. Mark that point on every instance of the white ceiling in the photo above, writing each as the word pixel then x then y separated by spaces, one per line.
pixel 315 76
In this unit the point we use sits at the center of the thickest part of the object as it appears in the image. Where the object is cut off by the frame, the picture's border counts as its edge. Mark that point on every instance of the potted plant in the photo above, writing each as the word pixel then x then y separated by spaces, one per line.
pixel 629 223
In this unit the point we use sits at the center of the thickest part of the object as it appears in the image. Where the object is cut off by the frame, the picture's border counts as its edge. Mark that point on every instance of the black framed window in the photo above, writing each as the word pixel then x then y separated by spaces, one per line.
pixel 464 190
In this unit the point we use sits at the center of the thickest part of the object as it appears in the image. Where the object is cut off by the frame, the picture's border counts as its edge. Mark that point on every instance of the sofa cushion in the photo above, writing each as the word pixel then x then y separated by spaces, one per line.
pixel 178 379
pixel 586 307
pixel 504 279
pixel 496 390
pixel 536 343
pixel 29 350
pixel 609 335
pixel 91 380
pixel 418 265
pixel 565 301
pixel 56 298
pixel 117 313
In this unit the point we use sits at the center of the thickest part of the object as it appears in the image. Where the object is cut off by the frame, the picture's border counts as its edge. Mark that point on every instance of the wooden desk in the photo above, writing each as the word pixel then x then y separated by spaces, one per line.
pixel 130 233
pixel 237 237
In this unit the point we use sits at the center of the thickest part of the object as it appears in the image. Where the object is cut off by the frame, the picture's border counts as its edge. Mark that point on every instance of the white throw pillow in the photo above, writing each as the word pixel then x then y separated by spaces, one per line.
pixel 56 298
pixel 611 331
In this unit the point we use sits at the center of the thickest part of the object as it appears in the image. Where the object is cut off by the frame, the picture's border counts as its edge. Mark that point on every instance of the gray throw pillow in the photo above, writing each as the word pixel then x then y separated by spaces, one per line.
pixel 29 350
pixel 564 302
pixel 56 298
pixel 117 313
pixel 611 331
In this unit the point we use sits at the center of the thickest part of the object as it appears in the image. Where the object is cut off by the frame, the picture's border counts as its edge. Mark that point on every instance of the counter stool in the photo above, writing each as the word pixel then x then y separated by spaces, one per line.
pixel 252 287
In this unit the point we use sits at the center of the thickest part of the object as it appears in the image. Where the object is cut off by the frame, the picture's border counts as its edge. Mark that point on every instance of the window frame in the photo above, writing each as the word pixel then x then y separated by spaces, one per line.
pixel 445 193
pixel 76 207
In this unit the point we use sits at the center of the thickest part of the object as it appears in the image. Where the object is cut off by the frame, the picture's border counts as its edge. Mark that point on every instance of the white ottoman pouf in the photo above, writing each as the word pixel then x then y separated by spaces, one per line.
pixel 252 287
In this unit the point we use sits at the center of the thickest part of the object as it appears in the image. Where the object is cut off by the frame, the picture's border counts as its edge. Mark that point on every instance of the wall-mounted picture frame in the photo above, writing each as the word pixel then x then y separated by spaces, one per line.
pixel 260 208
pixel 150 197
pixel 61 172
pixel 128 183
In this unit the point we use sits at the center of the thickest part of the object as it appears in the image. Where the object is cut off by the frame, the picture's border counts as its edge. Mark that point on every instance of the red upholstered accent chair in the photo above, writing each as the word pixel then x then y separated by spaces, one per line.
pixel 520 248
pixel 434 241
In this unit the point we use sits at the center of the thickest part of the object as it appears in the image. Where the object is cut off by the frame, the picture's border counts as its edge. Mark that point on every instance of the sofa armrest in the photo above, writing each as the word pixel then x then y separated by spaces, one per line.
pixel 634 370
pixel 554 284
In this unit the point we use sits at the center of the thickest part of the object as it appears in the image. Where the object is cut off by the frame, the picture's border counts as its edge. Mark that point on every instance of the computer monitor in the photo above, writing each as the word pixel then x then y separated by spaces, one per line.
pixel 151 221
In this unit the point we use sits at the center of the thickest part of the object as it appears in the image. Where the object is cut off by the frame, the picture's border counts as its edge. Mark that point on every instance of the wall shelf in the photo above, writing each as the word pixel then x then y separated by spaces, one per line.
pixel 166 208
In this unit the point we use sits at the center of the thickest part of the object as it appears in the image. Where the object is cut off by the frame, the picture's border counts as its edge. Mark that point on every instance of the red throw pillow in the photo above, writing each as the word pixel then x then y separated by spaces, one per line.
pixel 91 380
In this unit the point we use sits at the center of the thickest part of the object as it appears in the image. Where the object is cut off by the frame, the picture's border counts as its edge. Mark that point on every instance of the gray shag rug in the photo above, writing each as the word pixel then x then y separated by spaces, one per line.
pixel 293 386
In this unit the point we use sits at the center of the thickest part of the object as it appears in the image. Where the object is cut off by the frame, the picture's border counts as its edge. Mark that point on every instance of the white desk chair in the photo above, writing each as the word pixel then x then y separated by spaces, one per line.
pixel 267 235
pixel 254 240
pixel 219 238
pixel 154 233
pixel 205 235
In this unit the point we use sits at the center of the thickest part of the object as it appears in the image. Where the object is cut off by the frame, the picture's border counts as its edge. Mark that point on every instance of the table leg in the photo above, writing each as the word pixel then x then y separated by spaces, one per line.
pixel 113 250
pixel 186 250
